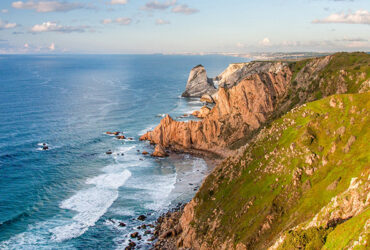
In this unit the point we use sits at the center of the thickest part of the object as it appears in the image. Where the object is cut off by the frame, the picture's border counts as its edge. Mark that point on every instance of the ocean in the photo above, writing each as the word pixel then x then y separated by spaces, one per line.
pixel 74 195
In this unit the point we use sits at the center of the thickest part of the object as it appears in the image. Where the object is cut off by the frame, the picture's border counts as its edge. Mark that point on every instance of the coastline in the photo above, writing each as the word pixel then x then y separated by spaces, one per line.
pixel 167 225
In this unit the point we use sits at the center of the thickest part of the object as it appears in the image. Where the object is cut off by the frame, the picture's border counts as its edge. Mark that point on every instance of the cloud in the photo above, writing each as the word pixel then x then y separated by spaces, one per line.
pixel 26 45
pixel 7 25
pixel 240 45
pixel 54 27
pixel 52 47
pixel 106 21
pixel 184 9
pixel 161 22
pixel 116 2
pixel 265 42
pixel 123 20
pixel 48 6
pixel 358 17
pixel 119 20
pixel 156 5
pixel 4 11
pixel 352 40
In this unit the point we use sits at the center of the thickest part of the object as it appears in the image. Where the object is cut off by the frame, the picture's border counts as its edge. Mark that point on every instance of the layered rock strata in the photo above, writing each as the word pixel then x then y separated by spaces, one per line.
pixel 198 83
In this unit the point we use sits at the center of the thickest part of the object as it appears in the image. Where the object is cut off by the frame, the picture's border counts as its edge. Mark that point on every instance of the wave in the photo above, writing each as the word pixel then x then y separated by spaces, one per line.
pixel 90 204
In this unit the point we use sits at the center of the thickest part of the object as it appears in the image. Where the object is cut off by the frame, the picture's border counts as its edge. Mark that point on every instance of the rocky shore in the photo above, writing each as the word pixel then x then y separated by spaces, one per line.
pixel 277 155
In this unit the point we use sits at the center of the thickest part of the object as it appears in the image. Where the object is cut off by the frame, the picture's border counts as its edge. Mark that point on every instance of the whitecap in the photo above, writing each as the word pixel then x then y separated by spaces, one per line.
pixel 90 204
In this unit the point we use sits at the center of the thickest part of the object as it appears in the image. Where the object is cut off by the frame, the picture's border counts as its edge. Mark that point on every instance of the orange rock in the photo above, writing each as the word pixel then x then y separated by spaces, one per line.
pixel 159 151
pixel 237 112
pixel 120 137
pixel 145 153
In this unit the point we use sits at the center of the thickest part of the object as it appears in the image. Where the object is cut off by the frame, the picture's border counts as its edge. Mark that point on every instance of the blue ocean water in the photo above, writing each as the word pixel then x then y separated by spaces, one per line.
pixel 74 195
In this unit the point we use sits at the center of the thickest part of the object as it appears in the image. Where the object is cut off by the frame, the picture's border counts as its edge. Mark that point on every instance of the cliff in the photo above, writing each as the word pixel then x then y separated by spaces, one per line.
pixel 302 181
pixel 257 99
pixel 297 171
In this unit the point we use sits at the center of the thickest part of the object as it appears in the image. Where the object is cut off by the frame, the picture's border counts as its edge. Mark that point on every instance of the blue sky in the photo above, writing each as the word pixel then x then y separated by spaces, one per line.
pixel 177 26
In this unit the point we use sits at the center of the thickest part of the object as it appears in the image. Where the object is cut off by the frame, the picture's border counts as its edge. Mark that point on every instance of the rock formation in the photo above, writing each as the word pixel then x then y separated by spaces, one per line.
pixel 238 111
pixel 159 151
pixel 198 83
pixel 236 72
pixel 300 181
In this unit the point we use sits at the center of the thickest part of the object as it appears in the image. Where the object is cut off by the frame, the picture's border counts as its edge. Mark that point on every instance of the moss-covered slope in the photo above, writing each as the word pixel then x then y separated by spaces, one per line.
pixel 288 173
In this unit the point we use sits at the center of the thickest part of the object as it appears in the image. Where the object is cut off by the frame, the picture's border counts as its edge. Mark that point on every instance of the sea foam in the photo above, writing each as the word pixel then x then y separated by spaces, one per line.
pixel 90 204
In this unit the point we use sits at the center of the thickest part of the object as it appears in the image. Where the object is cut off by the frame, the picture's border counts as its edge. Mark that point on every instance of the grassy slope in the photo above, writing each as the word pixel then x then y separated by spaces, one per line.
pixel 242 192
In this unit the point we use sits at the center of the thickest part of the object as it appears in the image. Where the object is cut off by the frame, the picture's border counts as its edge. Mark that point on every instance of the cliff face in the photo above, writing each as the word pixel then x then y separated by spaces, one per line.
pixel 238 111
pixel 198 83
pixel 236 72
pixel 300 182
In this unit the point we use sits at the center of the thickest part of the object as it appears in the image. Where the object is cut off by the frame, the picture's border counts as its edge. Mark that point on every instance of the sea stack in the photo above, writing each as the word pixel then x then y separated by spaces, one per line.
pixel 198 83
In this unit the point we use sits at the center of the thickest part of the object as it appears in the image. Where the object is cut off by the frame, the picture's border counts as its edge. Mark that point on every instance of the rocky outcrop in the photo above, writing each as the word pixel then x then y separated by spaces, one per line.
pixel 203 112
pixel 236 72
pixel 238 111
pixel 198 83
pixel 159 151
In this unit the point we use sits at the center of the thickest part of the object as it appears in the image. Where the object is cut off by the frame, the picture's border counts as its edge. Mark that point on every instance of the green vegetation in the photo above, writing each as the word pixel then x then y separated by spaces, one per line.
pixel 312 238
pixel 282 178
pixel 348 232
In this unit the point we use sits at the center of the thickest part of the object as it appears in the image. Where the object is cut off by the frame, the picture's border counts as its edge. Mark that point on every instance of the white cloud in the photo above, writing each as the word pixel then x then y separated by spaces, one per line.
pixel 7 25
pixel 123 20
pixel 52 47
pixel 47 6
pixel 26 45
pixel 184 9
pixel 265 42
pixel 119 20
pixel 4 11
pixel 156 5
pixel 240 45
pixel 161 22
pixel 122 2
pixel 358 17
pixel 54 27
pixel 106 21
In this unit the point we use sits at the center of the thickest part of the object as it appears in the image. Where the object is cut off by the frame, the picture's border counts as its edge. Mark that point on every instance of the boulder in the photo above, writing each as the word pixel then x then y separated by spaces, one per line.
pixel 159 151
pixel 141 217
pixel 134 235
pixel 198 83
pixel 112 133
pixel 145 152
pixel 207 99
pixel 204 111
pixel 120 137
pixel 109 152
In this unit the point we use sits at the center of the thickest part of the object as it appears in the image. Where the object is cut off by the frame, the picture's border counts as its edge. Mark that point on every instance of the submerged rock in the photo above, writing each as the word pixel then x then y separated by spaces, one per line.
pixel 142 218
pixel 112 133
pixel 198 83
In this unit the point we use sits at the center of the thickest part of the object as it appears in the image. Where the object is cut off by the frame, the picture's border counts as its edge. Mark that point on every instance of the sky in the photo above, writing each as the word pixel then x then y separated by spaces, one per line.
pixel 183 26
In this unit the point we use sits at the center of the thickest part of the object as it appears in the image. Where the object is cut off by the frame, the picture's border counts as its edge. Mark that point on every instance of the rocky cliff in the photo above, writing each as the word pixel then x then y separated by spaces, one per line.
pixel 273 89
pixel 198 83
pixel 297 173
